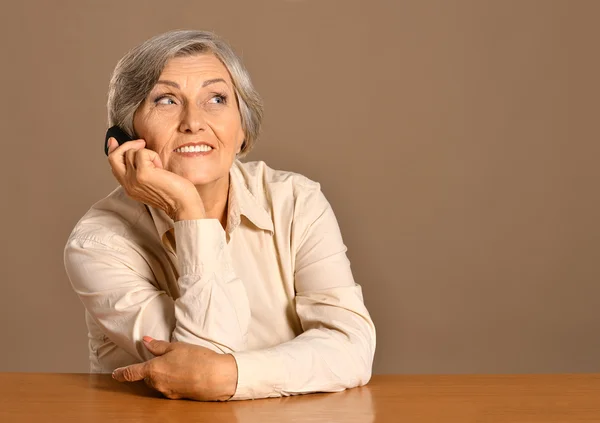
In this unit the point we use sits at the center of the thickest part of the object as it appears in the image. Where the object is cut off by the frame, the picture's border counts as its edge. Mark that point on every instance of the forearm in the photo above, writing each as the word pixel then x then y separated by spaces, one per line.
pixel 313 362
pixel 212 309
pixel 329 356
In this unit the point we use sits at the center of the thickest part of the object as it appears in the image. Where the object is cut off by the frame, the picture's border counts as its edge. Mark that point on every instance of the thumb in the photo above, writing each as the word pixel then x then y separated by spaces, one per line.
pixel 131 373
pixel 156 346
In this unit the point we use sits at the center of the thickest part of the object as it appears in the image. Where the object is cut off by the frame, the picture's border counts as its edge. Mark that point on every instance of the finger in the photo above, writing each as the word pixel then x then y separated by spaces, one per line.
pixel 130 373
pixel 110 145
pixel 157 161
pixel 130 160
pixel 147 158
pixel 116 157
pixel 156 346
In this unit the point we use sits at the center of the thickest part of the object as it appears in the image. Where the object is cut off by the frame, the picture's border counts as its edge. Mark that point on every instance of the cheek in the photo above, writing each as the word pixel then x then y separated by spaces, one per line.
pixel 143 126
pixel 229 132
pixel 156 133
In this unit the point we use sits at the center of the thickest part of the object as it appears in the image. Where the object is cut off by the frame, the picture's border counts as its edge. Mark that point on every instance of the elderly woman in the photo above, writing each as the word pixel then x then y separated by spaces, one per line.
pixel 209 278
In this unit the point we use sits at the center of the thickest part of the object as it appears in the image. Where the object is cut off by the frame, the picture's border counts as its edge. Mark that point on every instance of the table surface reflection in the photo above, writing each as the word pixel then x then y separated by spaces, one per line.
pixel 39 397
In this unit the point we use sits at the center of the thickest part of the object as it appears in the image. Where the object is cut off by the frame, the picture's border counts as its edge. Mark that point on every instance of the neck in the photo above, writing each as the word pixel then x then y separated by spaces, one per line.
pixel 214 198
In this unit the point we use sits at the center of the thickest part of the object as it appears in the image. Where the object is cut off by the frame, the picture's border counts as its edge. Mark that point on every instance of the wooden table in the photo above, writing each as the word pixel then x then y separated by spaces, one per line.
pixel 45 397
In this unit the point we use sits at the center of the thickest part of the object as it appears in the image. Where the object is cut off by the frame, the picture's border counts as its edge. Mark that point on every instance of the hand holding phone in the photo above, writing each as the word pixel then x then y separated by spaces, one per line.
pixel 140 172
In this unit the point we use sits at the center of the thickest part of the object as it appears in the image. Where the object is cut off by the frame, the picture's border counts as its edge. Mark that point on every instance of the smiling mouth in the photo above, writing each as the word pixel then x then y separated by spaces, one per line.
pixel 201 148
pixel 193 153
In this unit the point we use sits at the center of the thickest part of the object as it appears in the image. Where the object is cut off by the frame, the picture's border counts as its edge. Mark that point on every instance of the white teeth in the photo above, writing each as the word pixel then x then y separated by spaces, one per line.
pixel 194 149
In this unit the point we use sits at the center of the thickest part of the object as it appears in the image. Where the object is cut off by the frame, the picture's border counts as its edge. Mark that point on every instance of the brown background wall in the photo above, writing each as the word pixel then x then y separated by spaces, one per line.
pixel 456 140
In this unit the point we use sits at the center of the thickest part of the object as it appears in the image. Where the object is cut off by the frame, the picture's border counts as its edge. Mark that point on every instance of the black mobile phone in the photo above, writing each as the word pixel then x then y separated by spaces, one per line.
pixel 118 134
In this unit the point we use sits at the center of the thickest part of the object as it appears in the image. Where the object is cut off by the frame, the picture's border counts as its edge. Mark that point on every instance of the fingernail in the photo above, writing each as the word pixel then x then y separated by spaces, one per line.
pixel 147 339
pixel 114 373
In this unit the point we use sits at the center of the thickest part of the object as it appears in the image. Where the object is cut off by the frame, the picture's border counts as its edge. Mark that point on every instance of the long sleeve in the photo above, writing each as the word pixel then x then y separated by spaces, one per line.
pixel 336 349
pixel 213 305
pixel 115 284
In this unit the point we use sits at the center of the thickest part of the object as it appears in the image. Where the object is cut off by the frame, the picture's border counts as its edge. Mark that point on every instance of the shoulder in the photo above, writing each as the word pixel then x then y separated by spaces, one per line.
pixel 292 200
pixel 109 221
pixel 116 231
pixel 280 185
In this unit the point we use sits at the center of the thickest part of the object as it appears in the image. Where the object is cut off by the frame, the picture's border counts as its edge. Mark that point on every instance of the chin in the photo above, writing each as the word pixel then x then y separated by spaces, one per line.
pixel 202 174
pixel 200 178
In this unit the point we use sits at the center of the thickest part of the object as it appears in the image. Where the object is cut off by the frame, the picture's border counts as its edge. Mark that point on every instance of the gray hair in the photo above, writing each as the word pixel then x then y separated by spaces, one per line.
pixel 138 71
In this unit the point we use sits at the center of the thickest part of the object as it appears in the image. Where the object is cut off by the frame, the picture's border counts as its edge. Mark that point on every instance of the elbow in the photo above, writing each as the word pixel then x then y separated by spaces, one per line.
pixel 360 374
pixel 365 369
pixel 364 375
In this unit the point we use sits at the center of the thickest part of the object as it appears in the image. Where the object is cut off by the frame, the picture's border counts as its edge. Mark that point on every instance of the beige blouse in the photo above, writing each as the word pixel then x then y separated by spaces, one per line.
pixel 275 289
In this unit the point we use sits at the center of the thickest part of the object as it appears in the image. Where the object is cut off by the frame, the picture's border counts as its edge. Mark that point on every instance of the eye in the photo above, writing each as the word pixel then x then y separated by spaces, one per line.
pixel 164 100
pixel 219 99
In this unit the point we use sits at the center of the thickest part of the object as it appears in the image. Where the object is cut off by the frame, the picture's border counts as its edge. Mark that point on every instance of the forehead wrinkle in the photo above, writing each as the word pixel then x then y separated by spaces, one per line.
pixel 183 67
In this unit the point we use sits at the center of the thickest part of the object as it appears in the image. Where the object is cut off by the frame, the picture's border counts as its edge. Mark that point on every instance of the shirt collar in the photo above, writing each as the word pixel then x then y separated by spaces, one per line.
pixel 241 202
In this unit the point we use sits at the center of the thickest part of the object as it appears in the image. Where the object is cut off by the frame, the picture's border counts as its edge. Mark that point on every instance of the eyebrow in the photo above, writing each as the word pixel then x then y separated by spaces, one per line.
pixel 204 84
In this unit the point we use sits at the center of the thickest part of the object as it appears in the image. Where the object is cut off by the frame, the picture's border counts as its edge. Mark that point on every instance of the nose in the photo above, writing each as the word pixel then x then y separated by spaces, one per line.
pixel 192 120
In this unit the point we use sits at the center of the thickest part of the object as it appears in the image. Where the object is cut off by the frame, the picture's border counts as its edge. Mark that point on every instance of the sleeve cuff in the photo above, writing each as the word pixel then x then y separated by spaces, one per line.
pixel 260 375
pixel 200 245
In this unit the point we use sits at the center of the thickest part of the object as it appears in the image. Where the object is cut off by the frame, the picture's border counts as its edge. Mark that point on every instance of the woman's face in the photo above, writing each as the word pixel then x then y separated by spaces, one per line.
pixel 192 102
